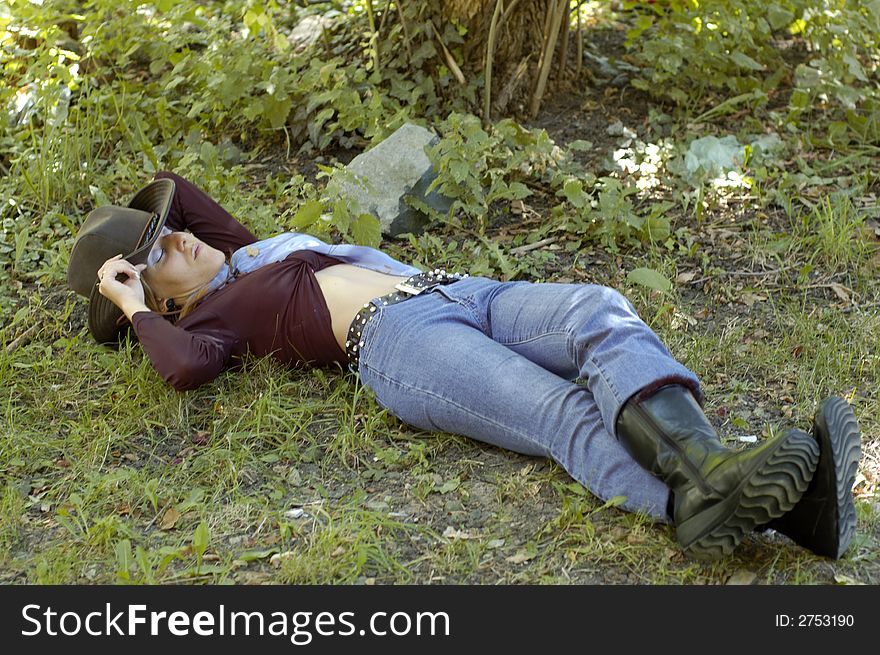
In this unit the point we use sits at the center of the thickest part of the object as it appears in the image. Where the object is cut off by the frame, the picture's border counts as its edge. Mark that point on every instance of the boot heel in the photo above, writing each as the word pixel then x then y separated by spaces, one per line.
pixel 773 489
pixel 824 521
pixel 837 432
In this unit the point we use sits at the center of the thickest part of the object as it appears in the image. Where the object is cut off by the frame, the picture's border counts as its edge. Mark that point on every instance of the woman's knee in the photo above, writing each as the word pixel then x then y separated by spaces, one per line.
pixel 596 298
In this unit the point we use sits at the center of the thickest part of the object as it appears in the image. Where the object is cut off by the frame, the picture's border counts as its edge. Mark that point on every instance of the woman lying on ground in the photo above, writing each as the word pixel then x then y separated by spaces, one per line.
pixel 490 360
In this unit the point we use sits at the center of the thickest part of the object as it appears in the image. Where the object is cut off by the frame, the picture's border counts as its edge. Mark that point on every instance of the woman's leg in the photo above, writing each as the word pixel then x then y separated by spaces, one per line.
pixel 647 401
pixel 581 331
pixel 488 360
pixel 435 362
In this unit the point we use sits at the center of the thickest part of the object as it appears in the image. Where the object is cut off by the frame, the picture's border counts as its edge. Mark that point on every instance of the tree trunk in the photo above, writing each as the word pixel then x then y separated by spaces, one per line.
pixel 521 34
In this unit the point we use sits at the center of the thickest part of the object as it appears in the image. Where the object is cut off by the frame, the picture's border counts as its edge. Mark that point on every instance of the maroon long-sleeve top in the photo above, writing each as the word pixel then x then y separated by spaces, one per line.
pixel 276 310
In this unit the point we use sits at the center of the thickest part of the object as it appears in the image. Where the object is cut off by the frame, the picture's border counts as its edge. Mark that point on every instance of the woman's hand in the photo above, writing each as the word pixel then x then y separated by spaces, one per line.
pixel 126 293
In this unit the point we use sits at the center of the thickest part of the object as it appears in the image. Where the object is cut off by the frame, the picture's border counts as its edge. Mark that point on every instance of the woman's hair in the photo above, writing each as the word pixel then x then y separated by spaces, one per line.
pixel 176 313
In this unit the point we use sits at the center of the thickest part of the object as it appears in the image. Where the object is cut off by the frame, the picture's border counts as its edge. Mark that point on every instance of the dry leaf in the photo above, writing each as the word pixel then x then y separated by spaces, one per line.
pixel 840 578
pixel 520 557
pixel 169 519
pixel 252 251
pixel 684 278
pixel 742 577
pixel 454 533
pixel 201 438
pixel 276 559
pixel 840 291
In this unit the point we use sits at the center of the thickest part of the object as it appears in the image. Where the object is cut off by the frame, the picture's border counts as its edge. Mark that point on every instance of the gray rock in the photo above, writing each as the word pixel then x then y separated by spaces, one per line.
pixel 308 31
pixel 387 174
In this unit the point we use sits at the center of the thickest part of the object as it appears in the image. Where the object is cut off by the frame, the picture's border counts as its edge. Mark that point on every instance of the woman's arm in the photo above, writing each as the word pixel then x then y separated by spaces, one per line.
pixel 186 359
pixel 194 210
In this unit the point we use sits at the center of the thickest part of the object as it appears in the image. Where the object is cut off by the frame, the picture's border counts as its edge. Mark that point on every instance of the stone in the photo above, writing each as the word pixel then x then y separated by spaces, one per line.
pixel 308 31
pixel 389 173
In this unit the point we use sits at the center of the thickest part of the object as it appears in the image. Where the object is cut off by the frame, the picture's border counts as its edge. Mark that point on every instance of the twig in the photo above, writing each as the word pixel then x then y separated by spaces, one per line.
pixel 743 274
pixel 374 37
pixel 532 246
pixel 405 29
pixel 19 341
pixel 507 13
pixel 490 52
pixel 547 56
pixel 580 41
pixel 514 83
pixel 563 49
pixel 770 272
pixel 852 308
pixel 385 13
pixel 548 14
pixel 450 60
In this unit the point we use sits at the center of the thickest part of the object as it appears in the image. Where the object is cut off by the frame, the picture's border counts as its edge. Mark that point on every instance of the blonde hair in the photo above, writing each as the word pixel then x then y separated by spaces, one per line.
pixel 152 301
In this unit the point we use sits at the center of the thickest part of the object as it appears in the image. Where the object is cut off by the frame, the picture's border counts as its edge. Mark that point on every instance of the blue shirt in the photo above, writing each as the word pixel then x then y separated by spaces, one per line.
pixel 275 249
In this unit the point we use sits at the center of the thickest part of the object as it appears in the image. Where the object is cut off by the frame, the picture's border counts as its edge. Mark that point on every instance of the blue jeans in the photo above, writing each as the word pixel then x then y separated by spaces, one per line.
pixel 496 361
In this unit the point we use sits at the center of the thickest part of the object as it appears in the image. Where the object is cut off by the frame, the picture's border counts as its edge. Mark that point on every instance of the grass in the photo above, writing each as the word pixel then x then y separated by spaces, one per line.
pixel 99 456
pixel 107 472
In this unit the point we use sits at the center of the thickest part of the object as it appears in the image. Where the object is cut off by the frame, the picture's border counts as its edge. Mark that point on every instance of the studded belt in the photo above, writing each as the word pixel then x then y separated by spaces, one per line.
pixel 409 288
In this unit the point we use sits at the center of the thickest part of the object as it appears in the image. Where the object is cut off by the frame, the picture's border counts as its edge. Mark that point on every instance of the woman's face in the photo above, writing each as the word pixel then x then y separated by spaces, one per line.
pixel 179 264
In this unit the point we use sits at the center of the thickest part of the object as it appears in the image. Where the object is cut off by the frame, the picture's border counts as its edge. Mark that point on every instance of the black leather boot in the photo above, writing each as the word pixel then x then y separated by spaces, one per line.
pixel 719 494
pixel 824 520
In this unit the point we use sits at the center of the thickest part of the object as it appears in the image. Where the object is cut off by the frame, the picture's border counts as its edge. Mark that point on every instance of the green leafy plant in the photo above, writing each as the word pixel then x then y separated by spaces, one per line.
pixel 607 213
pixel 692 50
pixel 477 168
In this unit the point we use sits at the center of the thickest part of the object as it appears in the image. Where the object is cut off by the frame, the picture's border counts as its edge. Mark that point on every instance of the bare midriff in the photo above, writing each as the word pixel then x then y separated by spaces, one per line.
pixel 347 289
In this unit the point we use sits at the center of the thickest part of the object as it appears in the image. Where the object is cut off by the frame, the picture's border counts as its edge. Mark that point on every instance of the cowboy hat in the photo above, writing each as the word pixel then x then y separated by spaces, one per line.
pixel 109 231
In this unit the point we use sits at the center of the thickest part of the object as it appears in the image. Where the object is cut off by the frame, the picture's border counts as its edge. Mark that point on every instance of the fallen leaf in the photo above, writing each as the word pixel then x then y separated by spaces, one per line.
pixel 840 291
pixel 169 519
pixel 275 560
pixel 840 578
pixel 742 577
pixel 684 278
pixel 449 485
pixel 253 555
pixel 751 298
pixel 520 557
pixel 201 438
pixel 648 277
pixel 454 533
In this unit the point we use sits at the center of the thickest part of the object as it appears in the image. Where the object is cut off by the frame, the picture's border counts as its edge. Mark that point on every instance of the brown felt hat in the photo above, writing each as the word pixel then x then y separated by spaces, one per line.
pixel 109 231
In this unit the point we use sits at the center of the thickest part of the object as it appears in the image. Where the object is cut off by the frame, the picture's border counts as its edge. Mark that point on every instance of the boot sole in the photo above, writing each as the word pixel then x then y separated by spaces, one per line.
pixel 774 488
pixel 837 431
